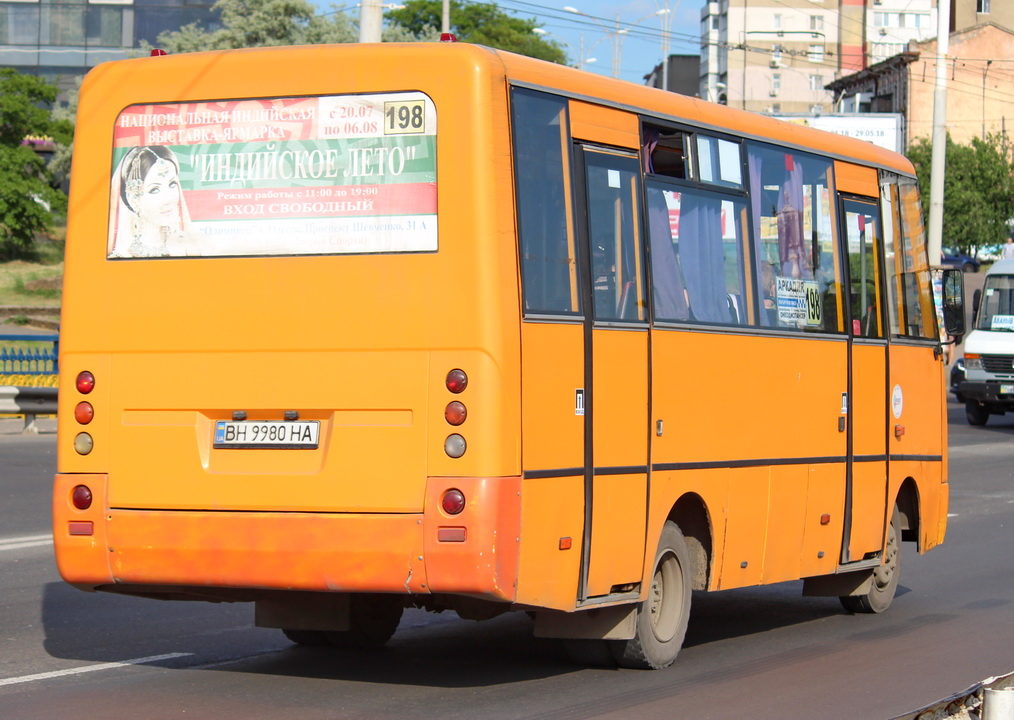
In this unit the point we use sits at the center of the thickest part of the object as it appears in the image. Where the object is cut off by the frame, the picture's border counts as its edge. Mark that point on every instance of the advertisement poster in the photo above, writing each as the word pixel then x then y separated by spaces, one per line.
pixel 275 176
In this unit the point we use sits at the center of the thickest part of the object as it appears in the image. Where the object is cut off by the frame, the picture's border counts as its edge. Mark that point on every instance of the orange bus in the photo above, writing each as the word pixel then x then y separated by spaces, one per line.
pixel 452 328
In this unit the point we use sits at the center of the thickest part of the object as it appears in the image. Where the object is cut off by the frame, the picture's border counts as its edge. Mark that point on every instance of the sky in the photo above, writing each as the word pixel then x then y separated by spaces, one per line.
pixel 595 30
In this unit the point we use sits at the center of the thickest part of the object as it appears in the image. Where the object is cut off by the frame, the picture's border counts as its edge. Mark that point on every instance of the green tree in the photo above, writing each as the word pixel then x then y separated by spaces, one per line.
pixel 28 189
pixel 259 23
pixel 481 23
pixel 978 190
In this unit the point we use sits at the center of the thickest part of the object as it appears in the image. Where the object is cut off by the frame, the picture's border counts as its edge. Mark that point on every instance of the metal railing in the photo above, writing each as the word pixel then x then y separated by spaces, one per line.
pixel 30 361
pixel 16 364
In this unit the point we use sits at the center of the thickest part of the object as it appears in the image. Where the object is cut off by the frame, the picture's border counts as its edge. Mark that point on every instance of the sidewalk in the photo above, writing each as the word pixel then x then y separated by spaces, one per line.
pixel 15 425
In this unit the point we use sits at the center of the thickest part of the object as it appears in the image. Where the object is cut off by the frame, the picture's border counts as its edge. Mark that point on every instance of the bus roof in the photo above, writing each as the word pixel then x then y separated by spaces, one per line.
pixel 695 111
pixel 250 72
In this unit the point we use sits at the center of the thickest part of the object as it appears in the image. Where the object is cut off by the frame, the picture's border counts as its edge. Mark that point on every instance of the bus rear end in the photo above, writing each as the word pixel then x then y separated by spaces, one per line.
pixel 289 339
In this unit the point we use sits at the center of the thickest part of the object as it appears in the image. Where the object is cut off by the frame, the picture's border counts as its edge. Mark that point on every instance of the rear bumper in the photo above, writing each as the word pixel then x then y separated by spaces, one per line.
pixel 411 553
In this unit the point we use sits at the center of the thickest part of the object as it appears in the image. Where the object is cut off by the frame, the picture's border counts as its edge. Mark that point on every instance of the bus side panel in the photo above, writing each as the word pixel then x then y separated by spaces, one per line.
pixel 787 495
pixel 603 125
pixel 620 456
pixel 869 481
pixel 856 179
pixel 920 431
pixel 764 406
pixel 552 521
pixel 822 537
pixel 747 526
pixel 618 517
pixel 552 452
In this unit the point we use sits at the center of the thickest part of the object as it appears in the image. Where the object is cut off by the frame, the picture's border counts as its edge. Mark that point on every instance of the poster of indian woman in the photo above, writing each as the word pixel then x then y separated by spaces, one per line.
pixel 275 176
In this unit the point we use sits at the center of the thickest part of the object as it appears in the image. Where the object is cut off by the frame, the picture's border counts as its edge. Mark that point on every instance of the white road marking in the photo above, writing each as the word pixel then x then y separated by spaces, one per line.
pixel 89 668
pixel 25 541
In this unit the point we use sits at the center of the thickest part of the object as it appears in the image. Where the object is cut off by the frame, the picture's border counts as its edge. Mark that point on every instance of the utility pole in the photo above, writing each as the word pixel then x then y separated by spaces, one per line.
pixel 939 156
pixel 371 20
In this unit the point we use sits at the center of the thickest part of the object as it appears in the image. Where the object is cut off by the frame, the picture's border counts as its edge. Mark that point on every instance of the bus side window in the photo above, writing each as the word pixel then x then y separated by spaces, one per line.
pixel 545 222
pixel 614 230
pixel 696 250
pixel 919 314
pixel 665 153
pixel 794 240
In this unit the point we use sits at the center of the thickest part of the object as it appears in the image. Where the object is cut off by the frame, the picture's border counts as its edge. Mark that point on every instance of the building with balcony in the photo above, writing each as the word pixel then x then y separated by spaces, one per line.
pixel 779 56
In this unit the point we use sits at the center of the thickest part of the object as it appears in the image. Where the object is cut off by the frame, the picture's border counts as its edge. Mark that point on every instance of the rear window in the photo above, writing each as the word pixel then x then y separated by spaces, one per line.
pixel 275 176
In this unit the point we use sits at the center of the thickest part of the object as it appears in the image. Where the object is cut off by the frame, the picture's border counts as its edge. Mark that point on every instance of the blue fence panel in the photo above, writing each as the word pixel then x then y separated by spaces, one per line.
pixel 31 361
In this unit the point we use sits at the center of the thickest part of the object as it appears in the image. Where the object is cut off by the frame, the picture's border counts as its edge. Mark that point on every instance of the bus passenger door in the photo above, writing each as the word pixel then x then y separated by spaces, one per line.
pixel 616 370
pixel 866 484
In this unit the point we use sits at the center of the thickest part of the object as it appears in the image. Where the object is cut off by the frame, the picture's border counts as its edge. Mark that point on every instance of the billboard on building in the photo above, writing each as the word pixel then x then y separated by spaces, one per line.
pixel 882 129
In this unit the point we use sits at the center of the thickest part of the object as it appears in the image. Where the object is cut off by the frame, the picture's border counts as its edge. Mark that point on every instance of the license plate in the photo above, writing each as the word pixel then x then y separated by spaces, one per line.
pixel 1007 389
pixel 267 434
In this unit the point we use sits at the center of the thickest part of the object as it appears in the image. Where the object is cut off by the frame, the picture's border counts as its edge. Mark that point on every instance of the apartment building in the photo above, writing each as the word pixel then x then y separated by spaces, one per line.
pixel 777 56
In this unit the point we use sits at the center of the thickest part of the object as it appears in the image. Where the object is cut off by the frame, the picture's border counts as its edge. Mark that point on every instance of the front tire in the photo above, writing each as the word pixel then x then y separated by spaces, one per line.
pixel 663 616
pixel 885 577
pixel 975 413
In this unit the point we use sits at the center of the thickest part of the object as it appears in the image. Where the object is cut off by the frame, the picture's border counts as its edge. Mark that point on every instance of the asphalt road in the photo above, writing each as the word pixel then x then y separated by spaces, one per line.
pixel 756 653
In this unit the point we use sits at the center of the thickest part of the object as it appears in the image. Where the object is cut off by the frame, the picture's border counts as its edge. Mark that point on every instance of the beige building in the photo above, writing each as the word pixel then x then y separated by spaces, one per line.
pixel 771 56
pixel 966 13
pixel 980 78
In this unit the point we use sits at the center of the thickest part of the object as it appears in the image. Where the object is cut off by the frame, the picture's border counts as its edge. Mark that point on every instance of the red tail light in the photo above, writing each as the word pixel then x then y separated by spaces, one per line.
pixel 85 382
pixel 455 413
pixel 84 413
pixel 457 381
pixel 453 502
pixel 81 496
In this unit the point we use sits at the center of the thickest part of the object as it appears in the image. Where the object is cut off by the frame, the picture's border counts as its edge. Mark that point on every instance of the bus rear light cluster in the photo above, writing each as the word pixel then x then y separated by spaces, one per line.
pixel 84 413
pixel 455 413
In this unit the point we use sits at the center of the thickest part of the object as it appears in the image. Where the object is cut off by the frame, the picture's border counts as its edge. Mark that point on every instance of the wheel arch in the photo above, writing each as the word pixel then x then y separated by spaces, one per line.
pixel 907 501
pixel 690 513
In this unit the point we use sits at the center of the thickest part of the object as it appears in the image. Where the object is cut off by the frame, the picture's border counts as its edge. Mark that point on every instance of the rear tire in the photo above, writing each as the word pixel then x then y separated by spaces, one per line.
pixel 975 413
pixel 307 638
pixel 662 618
pixel 885 577
pixel 372 621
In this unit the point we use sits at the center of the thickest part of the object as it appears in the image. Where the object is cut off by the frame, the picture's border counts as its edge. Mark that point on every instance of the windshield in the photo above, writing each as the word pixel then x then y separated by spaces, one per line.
pixel 996 310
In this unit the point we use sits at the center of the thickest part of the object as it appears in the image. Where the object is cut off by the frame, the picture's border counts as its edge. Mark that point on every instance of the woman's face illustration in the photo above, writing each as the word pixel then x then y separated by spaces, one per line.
pixel 159 201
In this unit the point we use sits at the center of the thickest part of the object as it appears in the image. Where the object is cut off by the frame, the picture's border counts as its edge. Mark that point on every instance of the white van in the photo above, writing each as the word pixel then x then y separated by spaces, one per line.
pixel 989 349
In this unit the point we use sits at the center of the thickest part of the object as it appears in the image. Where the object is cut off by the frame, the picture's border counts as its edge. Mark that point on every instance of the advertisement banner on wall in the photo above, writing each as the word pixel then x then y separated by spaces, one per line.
pixel 275 176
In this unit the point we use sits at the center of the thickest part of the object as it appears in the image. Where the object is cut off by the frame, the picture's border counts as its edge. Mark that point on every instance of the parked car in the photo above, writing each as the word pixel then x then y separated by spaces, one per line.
pixel 958 377
pixel 953 258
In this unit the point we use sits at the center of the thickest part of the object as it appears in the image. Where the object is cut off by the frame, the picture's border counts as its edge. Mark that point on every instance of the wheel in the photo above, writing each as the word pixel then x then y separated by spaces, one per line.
pixel 662 618
pixel 372 621
pixel 885 577
pixel 959 397
pixel 309 638
pixel 968 268
pixel 975 413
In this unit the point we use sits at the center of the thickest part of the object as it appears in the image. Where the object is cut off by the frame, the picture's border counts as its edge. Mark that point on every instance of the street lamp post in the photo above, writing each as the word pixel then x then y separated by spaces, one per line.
pixel 581 59
pixel 617 32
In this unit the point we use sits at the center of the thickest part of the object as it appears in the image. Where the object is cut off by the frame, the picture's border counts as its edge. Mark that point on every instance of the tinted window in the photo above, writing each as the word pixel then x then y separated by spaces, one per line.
pixel 696 254
pixel 545 228
pixel 794 240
